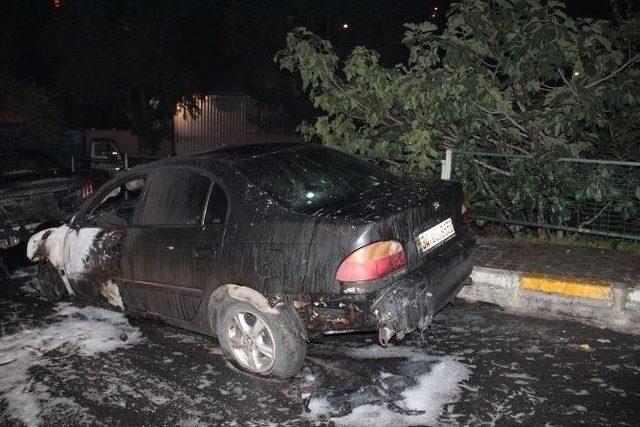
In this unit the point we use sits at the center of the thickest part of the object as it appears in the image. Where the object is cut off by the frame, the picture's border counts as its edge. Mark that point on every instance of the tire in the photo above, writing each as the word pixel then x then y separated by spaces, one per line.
pixel 49 284
pixel 263 344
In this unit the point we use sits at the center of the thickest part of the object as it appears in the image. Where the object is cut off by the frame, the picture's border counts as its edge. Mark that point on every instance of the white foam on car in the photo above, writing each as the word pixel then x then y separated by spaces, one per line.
pixel 81 331
pixel 434 389
pixel 76 249
pixel 65 248
pixel 52 247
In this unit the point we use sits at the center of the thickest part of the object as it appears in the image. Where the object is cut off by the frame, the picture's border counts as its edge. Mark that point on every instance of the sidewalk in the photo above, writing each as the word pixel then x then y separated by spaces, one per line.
pixel 585 284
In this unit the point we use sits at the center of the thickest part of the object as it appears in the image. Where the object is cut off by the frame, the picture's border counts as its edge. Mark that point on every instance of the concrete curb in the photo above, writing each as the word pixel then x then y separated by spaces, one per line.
pixel 607 304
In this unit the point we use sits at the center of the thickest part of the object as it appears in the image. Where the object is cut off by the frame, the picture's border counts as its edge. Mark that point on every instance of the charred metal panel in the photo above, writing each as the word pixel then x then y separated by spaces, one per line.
pixel 222 122
pixel 270 266
pixel 330 314
pixel 38 201
pixel 162 275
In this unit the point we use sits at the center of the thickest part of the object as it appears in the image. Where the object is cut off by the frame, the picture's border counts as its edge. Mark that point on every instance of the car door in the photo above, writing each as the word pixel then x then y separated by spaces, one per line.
pixel 95 249
pixel 171 241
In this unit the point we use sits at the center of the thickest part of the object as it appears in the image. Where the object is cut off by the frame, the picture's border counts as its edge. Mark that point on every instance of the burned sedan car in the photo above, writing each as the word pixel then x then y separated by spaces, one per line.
pixel 35 191
pixel 266 246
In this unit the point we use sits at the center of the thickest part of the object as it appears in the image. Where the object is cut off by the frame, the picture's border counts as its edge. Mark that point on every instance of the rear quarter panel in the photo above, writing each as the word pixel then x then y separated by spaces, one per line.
pixel 276 251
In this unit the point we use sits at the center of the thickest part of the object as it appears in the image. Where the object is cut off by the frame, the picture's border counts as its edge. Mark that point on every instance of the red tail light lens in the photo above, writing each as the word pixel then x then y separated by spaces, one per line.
pixel 465 215
pixel 372 261
pixel 87 190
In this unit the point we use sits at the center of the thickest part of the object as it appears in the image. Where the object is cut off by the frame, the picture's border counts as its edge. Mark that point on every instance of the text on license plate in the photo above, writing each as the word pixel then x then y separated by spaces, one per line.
pixel 435 235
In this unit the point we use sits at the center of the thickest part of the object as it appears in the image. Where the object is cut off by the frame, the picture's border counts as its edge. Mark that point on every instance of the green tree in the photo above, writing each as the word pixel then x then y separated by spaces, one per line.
pixel 517 77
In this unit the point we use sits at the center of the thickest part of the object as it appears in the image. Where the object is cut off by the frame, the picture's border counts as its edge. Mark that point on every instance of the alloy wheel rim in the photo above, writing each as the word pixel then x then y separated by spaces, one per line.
pixel 251 341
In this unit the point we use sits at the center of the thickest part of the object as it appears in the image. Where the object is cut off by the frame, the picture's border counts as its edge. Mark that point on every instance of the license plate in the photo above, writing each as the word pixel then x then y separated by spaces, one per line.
pixel 435 235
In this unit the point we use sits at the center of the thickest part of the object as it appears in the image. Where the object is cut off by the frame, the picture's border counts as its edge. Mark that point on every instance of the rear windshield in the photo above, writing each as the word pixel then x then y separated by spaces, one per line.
pixel 311 179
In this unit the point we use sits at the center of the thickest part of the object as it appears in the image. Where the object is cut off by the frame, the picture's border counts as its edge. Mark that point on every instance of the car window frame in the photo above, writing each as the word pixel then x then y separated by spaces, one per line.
pixel 223 224
pixel 213 180
pixel 118 181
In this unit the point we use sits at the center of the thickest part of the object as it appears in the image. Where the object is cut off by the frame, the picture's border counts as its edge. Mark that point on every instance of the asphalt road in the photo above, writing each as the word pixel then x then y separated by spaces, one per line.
pixel 64 365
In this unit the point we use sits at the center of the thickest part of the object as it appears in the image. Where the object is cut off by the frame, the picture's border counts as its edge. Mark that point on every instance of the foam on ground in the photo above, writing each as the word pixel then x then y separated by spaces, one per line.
pixel 436 388
pixel 81 331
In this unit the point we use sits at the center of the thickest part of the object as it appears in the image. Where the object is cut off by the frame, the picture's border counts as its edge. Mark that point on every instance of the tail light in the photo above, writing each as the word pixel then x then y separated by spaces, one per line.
pixel 465 214
pixel 372 261
pixel 87 190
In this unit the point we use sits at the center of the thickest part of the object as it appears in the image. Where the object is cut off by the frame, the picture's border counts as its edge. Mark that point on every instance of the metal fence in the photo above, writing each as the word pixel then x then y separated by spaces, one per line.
pixel 599 197
pixel 222 122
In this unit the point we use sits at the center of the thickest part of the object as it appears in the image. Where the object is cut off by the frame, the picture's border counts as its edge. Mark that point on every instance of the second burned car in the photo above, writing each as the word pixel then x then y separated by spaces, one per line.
pixel 264 247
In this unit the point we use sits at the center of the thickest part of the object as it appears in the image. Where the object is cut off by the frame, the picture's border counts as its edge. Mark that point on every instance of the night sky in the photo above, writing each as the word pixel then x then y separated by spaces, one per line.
pixel 206 46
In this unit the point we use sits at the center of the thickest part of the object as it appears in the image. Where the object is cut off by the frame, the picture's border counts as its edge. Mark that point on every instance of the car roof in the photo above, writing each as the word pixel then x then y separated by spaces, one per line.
pixel 244 152
pixel 227 155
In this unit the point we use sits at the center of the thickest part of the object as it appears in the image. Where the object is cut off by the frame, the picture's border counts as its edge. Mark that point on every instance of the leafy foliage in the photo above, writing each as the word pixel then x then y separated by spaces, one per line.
pixel 517 77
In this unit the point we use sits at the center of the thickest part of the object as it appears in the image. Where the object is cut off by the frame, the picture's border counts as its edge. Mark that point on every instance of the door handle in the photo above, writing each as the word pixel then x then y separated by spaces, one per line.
pixel 203 251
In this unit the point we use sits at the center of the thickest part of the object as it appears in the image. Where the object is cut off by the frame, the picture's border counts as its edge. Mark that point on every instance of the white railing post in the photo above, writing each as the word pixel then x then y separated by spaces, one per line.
pixel 446 164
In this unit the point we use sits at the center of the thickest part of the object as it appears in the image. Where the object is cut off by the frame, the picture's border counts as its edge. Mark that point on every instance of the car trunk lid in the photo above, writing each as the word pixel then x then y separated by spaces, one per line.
pixel 406 209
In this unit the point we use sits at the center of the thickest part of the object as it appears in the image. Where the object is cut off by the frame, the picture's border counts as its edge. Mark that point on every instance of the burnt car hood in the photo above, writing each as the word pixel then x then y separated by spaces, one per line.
pixel 38 201
pixel 38 186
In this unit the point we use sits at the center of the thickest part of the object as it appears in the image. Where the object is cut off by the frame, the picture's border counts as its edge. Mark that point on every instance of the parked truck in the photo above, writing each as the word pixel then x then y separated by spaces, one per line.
pixel 108 151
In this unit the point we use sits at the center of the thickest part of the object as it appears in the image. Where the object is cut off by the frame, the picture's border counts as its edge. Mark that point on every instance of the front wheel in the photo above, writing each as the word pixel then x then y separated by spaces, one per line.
pixel 260 343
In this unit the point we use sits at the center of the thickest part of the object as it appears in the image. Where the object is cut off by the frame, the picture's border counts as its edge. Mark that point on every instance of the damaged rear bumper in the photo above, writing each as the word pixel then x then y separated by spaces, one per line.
pixel 411 303
pixel 402 306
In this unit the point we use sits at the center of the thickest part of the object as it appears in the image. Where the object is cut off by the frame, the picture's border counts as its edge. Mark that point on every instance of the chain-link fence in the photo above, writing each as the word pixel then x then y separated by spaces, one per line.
pixel 598 197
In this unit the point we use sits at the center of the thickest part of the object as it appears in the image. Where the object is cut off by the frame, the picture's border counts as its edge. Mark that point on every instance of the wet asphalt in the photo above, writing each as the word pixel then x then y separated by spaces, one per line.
pixel 521 370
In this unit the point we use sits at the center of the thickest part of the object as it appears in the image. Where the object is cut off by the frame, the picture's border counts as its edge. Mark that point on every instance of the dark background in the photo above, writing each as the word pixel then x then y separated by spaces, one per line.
pixel 102 61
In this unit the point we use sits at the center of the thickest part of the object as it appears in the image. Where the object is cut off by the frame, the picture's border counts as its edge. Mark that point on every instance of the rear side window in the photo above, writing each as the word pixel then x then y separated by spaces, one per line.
pixel 176 197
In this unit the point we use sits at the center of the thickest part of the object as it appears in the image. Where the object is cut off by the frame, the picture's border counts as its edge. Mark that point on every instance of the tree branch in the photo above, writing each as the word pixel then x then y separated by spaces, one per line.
pixel 361 103
pixel 596 216
pixel 506 116
pixel 514 122
pixel 489 192
pixel 607 77
pixel 566 82
pixel 491 168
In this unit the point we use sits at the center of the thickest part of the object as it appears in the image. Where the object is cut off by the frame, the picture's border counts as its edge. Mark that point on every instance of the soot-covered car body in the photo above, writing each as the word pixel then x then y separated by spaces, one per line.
pixel 265 246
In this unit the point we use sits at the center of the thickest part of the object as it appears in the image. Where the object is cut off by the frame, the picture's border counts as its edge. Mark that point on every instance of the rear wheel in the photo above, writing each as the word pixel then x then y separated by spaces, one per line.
pixel 260 343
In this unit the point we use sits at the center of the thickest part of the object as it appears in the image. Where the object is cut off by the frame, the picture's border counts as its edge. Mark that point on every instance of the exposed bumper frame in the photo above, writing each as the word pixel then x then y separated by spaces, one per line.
pixel 411 303
pixel 402 306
